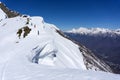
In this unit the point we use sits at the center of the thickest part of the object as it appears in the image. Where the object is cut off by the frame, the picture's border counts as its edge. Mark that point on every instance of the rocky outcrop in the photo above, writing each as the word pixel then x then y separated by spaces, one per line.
pixel 9 12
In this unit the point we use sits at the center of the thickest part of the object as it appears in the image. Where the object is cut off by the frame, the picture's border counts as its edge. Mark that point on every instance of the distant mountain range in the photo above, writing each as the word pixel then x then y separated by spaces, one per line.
pixel 95 31
pixel 104 43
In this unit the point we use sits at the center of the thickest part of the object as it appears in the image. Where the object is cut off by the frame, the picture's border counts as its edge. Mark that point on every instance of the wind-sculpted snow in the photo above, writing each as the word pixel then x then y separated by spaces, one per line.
pixel 40 55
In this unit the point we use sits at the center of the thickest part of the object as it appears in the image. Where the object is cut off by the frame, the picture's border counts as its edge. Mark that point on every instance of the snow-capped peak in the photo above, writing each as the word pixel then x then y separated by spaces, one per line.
pixel 83 30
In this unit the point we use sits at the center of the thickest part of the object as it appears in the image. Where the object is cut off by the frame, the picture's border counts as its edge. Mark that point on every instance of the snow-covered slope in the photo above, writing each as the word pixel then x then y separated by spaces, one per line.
pixel 33 72
pixel 2 15
pixel 37 42
pixel 31 49
pixel 94 31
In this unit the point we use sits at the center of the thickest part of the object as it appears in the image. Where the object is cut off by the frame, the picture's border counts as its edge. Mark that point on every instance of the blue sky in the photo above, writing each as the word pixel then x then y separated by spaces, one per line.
pixel 68 14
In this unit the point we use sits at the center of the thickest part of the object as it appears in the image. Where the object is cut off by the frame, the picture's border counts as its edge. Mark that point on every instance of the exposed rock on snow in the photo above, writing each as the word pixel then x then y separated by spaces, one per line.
pixel 7 11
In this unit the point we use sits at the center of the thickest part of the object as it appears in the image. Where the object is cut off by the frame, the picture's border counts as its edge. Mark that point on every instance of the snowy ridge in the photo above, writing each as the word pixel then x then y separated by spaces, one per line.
pixel 94 31
pixel 45 34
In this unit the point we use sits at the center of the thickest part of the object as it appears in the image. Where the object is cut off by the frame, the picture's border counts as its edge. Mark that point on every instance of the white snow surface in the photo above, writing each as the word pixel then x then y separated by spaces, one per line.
pixel 83 30
pixel 58 58
pixel 2 15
